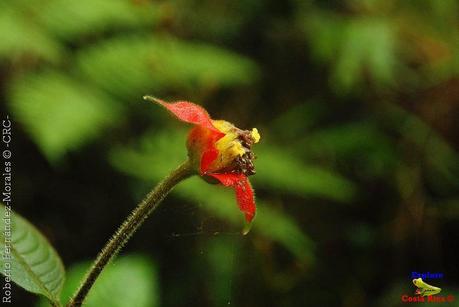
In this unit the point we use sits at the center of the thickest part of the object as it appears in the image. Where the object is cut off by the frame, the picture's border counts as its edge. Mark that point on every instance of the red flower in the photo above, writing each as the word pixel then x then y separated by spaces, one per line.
pixel 219 151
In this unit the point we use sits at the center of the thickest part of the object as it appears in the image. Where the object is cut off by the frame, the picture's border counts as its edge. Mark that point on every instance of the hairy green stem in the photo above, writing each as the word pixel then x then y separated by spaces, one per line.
pixel 128 228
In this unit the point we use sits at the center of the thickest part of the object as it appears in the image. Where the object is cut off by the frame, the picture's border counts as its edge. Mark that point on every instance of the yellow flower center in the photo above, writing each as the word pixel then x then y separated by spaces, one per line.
pixel 235 147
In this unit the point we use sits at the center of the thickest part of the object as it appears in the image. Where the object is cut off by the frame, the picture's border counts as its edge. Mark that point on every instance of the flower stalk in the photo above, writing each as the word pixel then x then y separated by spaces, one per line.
pixel 218 152
pixel 129 227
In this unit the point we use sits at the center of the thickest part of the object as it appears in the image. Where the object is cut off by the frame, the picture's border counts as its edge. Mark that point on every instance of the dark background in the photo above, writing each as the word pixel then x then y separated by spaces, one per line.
pixel 357 173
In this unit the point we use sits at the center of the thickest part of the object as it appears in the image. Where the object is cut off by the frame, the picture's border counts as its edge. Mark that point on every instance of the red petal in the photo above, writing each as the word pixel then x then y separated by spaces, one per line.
pixel 244 192
pixel 207 158
pixel 201 144
pixel 187 112
pixel 229 180
pixel 245 199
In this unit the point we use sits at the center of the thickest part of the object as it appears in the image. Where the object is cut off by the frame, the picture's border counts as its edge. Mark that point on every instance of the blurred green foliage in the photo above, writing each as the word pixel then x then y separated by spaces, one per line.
pixel 73 109
pixel 356 102
pixel 129 281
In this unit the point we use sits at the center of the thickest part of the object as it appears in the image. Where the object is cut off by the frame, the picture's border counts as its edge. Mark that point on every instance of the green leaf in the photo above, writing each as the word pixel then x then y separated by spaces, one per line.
pixel 70 19
pixel 129 281
pixel 127 66
pixel 60 113
pixel 295 176
pixel 355 47
pixel 22 37
pixel 35 265
pixel 369 44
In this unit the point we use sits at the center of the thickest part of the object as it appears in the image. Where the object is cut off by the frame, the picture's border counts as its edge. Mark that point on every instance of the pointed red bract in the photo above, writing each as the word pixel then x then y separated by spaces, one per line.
pixel 244 192
pixel 189 112
pixel 245 199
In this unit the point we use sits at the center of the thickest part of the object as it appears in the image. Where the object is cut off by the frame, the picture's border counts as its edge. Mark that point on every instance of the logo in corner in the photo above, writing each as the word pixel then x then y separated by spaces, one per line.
pixel 424 289
pixel 426 293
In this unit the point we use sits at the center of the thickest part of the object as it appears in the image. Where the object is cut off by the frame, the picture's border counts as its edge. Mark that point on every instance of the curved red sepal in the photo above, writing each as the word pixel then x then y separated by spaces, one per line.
pixel 229 180
pixel 244 192
pixel 188 112
pixel 207 158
